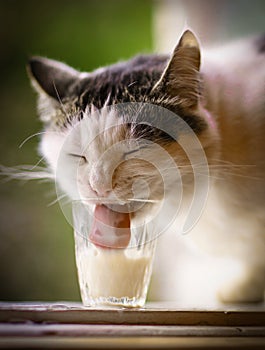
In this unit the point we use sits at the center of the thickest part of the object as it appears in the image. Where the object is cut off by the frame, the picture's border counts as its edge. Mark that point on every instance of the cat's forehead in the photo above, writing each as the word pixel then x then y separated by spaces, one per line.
pixel 137 81
pixel 123 82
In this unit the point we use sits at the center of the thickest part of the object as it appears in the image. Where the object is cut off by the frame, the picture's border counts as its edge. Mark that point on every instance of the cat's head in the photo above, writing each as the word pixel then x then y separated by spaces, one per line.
pixel 118 129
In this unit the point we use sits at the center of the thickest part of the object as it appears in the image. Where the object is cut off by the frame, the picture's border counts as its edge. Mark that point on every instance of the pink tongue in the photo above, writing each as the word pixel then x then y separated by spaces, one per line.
pixel 110 229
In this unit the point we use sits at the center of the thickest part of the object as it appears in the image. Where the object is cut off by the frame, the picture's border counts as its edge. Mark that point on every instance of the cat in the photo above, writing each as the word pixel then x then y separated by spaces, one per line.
pixel 220 96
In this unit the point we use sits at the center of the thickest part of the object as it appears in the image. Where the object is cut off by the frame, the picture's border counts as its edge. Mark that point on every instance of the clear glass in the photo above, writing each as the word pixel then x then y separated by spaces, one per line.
pixel 109 276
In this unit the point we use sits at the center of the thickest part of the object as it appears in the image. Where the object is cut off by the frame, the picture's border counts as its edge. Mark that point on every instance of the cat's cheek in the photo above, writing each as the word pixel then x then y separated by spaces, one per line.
pixel 82 182
pixel 50 148
pixel 84 188
pixel 81 188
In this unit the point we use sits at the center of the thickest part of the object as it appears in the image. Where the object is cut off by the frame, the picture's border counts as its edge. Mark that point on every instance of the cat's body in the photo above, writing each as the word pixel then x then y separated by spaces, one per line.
pixel 233 223
pixel 227 113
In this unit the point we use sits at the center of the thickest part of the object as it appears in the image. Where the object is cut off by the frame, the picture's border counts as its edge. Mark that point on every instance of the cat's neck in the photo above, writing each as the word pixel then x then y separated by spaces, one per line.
pixel 238 108
pixel 231 101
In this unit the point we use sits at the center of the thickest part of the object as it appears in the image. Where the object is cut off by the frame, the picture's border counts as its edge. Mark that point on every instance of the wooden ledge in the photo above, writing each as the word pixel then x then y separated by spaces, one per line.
pixel 151 314
pixel 65 325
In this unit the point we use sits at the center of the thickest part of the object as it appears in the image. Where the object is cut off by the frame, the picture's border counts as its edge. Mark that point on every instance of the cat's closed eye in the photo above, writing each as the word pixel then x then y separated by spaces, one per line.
pixel 80 156
pixel 126 154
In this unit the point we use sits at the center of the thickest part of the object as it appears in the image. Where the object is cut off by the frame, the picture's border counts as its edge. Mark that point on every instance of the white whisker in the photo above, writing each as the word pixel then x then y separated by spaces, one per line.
pixel 57 200
pixel 143 200
pixel 60 101
pixel 30 137
pixel 24 172
pixel 36 165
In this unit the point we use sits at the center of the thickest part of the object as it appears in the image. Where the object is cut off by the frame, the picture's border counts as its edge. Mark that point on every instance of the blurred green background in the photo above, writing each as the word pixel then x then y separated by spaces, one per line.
pixel 36 249
pixel 36 242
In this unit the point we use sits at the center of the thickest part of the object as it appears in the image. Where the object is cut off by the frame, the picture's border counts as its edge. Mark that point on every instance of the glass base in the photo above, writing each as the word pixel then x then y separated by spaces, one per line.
pixel 113 301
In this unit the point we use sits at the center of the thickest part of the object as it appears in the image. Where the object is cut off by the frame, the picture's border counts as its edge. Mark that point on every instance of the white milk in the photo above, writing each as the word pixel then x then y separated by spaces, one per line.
pixel 114 276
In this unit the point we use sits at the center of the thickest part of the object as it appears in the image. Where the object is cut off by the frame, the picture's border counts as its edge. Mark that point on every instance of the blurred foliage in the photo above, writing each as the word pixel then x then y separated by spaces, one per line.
pixel 37 248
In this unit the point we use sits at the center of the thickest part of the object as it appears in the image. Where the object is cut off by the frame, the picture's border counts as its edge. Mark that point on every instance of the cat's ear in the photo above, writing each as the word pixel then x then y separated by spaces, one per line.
pixel 180 78
pixel 51 77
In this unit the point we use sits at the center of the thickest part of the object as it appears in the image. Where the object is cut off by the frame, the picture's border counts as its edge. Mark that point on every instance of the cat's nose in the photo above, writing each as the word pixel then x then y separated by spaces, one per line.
pixel 101 192
pixel 99 186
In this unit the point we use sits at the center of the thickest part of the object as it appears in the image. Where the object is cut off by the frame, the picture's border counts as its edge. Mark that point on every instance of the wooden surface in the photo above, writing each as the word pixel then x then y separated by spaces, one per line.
pixel 153 313
pixel 157 326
